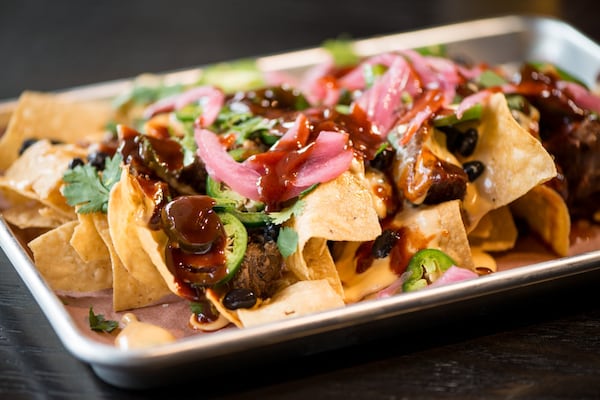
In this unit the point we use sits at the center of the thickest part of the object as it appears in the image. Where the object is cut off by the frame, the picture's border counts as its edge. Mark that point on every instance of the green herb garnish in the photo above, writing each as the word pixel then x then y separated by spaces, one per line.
pixel 372 72
pixel 489 78
pixel 141 94
pixel 99 324
pixel 436 50
pixel 563 74
pixel 279 217
pixel 233 76
pixel 287 241
pixel 89 189
pixel 197 308
pixel 245 126
pixel 342 52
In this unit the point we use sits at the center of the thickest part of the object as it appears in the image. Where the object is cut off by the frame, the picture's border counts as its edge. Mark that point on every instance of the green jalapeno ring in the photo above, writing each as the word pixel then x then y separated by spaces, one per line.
pixel 237 242
pixel 425 267
pixel 232 202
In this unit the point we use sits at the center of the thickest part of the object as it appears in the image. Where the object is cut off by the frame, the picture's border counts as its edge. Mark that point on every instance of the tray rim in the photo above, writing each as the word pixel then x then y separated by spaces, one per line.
pixel 189 349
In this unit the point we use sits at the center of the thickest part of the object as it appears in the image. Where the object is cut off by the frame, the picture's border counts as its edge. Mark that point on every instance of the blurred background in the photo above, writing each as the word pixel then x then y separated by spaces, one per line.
pixel 47 45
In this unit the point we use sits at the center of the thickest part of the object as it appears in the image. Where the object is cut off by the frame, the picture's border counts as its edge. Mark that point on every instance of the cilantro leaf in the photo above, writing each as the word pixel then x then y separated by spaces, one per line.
pixel 279 217
pixel 112 171
pixel 86 188
pixel 287 241
pixel 99 324
pixel 244 124
pixel 197 308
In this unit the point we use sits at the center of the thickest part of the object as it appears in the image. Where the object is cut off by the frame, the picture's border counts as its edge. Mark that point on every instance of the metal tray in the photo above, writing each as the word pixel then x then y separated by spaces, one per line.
pixel 504 40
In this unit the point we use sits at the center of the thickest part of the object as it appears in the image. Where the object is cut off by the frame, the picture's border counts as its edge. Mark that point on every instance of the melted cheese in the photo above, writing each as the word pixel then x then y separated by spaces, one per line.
pixel 358 285
pixel 138 334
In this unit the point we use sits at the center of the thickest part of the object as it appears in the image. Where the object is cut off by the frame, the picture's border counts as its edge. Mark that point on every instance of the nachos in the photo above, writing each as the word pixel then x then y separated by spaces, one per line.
pixel 261 200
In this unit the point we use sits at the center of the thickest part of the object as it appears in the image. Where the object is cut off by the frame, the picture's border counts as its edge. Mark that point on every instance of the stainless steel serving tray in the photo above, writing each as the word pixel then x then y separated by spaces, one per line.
pixel 505 40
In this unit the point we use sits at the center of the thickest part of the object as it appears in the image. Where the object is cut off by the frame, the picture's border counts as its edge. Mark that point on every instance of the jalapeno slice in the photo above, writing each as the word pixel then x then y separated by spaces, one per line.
pixel 237 241
pixel 231 202
pixel 425 267
pixel 223 195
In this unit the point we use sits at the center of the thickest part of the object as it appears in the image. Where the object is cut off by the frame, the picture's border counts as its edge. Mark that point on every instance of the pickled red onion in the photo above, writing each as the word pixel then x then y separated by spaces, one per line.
pixel 213 102
pixel 581 96
pixel 383 101
pixel 454 274
pixel 328 157
pixel 223 168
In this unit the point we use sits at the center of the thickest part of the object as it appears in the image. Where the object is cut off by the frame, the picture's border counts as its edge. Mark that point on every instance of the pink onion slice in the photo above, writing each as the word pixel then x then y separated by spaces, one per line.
pixel 330 157
pixel 327 158
pixel 382 103
pixel 318 86
pixel 454 274
pixel 355 79
pixel 213 100
pixel 435 73
pixel 471 100
pixel 223 168
pixel 581 96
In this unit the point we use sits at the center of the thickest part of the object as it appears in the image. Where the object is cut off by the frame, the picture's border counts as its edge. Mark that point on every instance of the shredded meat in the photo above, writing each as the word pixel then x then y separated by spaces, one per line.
pixel 576 149
pixel 260 269
pixel 422 177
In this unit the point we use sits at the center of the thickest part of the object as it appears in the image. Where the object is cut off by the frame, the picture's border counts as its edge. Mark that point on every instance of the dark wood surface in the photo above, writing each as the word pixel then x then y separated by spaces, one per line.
pixel 543 346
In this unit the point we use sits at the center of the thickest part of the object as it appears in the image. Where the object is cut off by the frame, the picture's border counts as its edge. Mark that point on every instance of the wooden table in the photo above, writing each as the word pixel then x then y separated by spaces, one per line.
pixel 546 345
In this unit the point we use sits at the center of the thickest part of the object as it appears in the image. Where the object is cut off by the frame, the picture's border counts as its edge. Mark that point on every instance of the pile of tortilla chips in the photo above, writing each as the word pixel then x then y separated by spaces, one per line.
pixel 83 253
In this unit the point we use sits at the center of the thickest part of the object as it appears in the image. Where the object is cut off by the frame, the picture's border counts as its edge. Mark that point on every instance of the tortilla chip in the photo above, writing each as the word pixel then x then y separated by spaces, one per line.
pixel 315 262
pixel 339 210
pixel 38 173
pixel 438 226
pixel 33 214
pixel 496 231
pixel 546 213
pixel 128 292
pixel 514 162
pixel 61 266
pixel 443 227
pixel 50 116
pixel 301 298
pixel 123 221
pixel 152 243
pixel 86 239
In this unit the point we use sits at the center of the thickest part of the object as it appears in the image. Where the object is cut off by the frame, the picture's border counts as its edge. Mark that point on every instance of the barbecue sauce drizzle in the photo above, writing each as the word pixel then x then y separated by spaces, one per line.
pixel 195 272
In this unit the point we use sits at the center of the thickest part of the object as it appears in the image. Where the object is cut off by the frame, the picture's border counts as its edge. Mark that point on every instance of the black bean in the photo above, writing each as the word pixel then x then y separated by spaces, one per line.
pixel 453 137
pixel 384 243
pixel 473 169
pixel 460 142
pixel 27 143
pixel 467 143
pixel 97 159
pixel 76 162
pixel 271 232
pixel 239 298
